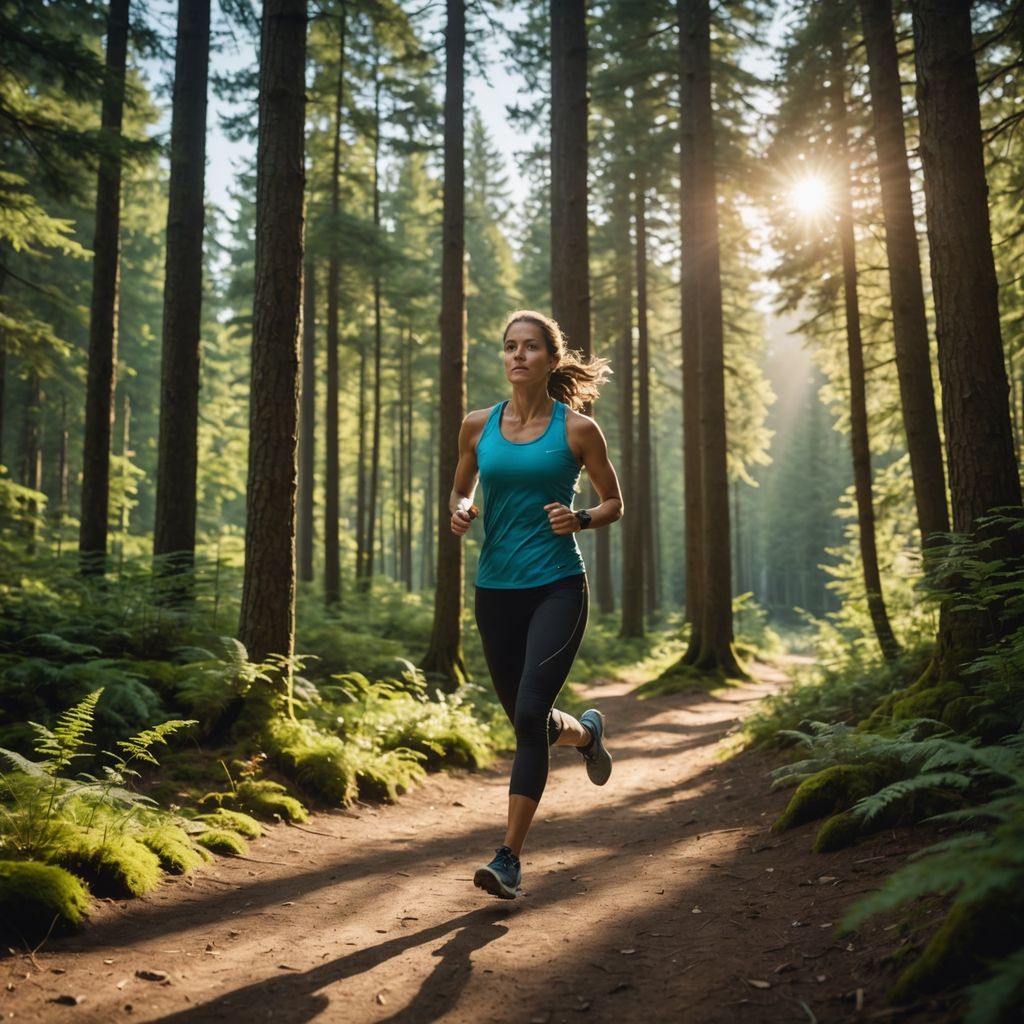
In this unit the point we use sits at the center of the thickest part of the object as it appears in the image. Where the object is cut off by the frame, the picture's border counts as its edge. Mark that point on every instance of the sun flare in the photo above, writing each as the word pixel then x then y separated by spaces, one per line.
pixel 809 196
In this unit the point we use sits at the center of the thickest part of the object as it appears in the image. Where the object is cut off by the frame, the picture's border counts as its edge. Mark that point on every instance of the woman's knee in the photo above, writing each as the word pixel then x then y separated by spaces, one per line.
pixel 532 724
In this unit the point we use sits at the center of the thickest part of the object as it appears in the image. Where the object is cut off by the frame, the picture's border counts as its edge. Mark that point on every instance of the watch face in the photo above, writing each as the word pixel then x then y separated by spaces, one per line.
pixel 584 517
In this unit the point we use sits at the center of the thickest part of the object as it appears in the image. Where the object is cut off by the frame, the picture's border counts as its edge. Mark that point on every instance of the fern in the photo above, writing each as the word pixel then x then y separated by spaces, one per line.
pixel 66 740
pixel 138 746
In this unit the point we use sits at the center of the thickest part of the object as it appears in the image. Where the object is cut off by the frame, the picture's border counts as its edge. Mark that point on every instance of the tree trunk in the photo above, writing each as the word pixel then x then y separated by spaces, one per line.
pixel 975 404
pixel 716 652
pixel 267 622
pixel 372 511
pixel 632 621
pixel 332 473
pixel 855 353
pixel 910 325
pixel 427 562
pixel 307 426
pixel 32 469
pixel 407 461
pixel 642 481
pixel 174 532
pixel 63 475
pixel 690 343
pixel 444 654
pixel 99 399
pixel 126 453
pixel 361 552
pixel 570 258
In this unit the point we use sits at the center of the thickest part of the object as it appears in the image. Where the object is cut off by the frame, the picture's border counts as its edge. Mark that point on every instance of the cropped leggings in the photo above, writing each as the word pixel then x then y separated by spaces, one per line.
pixel 530 638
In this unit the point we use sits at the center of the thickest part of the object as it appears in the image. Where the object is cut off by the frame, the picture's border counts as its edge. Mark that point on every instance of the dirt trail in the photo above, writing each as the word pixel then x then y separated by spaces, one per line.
pixel 663 896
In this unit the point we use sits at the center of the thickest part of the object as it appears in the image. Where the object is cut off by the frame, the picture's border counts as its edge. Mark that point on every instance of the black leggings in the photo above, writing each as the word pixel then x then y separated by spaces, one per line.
pixel 530 637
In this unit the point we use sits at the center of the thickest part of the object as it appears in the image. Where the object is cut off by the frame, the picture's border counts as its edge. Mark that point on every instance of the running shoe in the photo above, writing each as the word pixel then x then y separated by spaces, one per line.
pixel 599 761
pixel 502 876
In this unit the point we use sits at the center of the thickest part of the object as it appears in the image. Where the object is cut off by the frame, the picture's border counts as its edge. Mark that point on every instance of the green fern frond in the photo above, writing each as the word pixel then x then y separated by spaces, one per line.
pixel 870 807
pixel 994 1000
pixel 34 769
pixel 66 740
pixel 138 746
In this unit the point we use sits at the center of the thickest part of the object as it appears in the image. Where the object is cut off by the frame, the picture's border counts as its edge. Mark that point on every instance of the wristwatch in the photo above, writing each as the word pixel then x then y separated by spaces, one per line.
pixel 584 518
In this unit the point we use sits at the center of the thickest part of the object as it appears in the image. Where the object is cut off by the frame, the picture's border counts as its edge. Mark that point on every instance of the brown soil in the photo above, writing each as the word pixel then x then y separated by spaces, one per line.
pixel 663 896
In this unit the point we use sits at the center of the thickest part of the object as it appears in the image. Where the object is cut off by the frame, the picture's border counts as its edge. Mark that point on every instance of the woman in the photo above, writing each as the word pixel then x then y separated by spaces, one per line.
pixel 531 587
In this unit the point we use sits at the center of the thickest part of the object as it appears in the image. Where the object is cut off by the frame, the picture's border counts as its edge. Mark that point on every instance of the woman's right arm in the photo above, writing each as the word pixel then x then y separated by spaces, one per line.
pixel 460 502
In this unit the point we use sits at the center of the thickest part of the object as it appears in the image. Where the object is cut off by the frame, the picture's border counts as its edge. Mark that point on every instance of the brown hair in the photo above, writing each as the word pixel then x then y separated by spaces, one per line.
pixel 575 380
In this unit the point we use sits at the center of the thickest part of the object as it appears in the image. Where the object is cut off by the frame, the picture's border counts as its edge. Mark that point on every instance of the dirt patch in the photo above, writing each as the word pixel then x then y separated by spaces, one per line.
pixel 662 896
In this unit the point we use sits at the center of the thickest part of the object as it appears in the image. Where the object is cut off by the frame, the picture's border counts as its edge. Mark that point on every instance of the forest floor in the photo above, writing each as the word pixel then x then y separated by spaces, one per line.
pixel 663 896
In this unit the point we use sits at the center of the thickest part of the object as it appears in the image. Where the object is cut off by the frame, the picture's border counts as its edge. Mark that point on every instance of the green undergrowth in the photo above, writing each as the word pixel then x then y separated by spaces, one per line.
pixel 39 898
pixel 875 746
pixel 72 829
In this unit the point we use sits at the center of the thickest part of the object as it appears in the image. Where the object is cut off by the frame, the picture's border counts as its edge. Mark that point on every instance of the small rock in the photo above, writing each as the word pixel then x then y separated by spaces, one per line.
pixel 153 975
pixel 68 1000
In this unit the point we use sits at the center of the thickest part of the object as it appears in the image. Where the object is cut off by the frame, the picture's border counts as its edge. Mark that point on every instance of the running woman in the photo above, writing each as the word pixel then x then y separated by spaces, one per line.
pixel 531 586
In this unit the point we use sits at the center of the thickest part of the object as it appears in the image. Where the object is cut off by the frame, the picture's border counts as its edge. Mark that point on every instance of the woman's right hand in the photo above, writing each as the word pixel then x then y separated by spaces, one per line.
pixel 462 519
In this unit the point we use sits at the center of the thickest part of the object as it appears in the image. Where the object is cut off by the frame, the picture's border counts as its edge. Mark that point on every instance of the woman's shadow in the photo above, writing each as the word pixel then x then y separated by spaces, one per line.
pixel 297 997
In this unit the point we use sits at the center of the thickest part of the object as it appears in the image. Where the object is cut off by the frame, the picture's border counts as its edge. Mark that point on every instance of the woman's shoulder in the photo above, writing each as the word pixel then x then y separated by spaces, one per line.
pixel 578 423
pixel 475 421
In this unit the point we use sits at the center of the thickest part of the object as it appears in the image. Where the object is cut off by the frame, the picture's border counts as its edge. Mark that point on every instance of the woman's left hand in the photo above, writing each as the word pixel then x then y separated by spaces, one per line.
pixel 562 519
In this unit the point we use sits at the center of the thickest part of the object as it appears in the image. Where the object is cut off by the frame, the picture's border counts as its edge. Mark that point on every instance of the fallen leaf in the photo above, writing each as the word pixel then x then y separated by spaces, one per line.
pixel 827 924
pixel 696 910
pixel 381 998
pixel 290 903
pixel 108 961
pixel 287 967
pixel 153 975
pixel 821 977
pixel 627 952
pixel 121 984
pixel 825 879
pixel 757 983
pixel 783 968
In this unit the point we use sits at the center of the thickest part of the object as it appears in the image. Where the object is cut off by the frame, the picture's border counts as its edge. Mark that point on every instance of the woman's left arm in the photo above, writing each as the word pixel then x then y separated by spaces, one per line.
pixel 589 445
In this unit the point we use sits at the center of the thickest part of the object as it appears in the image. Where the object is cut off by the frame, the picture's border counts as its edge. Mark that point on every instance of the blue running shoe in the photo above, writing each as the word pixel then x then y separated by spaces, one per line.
pixel 502 876
pixel 599 761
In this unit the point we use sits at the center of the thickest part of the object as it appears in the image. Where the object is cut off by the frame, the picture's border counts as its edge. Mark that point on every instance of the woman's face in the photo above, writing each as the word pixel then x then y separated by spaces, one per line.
pixel 527 359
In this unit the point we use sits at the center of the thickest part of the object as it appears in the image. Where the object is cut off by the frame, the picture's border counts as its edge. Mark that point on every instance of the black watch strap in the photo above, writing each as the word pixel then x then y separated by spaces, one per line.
pixel 584 518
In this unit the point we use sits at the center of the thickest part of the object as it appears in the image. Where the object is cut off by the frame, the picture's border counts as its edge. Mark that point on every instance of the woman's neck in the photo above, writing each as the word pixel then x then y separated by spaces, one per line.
pixel 530 405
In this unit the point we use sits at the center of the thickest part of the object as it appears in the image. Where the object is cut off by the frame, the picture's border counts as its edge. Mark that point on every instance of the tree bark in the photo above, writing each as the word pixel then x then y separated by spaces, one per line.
pixel 632 621
pixel 859 441
pixel 910 324
pixel 332 470
pixel 570 253
pixel 975 390
pixel 716 652
pixel 690 342
pixel 642 481
pixel 32 469
pixel 375 445
pixel 267 622
pixel 307 427
pixel 174 532
pixel 444 655
pixel 975 403
pixel 99 400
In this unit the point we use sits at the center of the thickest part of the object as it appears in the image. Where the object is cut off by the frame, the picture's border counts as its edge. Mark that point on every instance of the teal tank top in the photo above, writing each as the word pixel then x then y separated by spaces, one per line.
pixel 518 479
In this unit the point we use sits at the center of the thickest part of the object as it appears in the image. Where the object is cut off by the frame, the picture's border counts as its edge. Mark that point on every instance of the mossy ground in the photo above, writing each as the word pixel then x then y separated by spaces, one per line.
pixel 33 895
pixel 830 791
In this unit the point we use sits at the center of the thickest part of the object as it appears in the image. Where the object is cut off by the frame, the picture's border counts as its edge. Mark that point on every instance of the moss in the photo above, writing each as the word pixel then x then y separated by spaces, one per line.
pixel 261 797
pixel 969 939
pixel 959 714
pixel 176 851
pixel 114 864
pixel 236 821
pixel 680 678
pixel 830 791
pixel 223 841
pixel 385 774
pixel 33 894
pixel 928 702
pixel 840 831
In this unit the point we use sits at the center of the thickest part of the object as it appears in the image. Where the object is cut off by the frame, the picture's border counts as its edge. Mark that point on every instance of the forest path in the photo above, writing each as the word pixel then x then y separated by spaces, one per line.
pixel 662 896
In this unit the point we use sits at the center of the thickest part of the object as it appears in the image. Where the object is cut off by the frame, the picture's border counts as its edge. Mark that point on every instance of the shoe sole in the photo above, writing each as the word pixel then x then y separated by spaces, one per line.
pixel 488 881
pixel 601 771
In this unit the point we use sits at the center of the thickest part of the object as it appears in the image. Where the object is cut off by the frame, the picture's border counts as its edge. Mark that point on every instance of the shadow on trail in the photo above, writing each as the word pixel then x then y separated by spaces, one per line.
pixel 298 997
